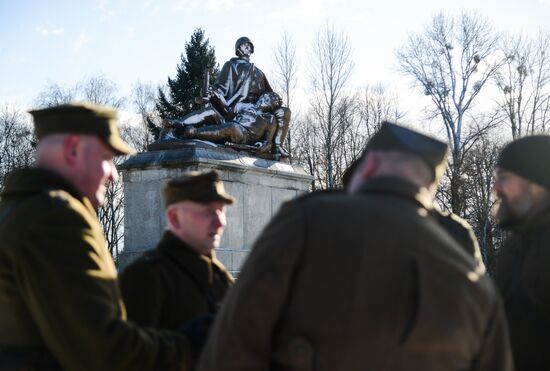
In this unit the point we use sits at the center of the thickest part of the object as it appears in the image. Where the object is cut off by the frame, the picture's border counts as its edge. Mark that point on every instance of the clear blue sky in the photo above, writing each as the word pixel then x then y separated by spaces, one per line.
pixel 62 41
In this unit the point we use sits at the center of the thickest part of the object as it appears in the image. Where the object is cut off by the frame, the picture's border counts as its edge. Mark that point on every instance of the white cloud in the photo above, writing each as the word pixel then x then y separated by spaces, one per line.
pixel 81 41
pixel 50 31
pixel 545 3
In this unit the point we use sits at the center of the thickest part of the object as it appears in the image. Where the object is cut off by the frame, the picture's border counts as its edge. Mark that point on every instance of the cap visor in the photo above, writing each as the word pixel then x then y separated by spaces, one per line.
pixel 120 147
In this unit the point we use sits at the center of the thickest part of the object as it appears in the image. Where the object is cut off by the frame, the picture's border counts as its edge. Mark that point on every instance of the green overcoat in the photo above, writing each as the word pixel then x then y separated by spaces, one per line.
pixel 462 232
pixel 58 284
pixel 368 281
pixel 172 284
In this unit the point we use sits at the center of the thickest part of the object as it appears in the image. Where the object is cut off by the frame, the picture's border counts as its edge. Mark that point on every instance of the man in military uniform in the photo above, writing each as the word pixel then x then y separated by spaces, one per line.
pixel 457 227
pixel 522 186
pixel 60 304
pixel 366 280
pixel 182 279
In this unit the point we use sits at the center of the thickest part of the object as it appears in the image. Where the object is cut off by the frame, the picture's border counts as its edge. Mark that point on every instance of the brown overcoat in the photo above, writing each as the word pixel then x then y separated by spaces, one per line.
pixel 368 281
pixel 58 285
pixel 172 284
pixel 462 232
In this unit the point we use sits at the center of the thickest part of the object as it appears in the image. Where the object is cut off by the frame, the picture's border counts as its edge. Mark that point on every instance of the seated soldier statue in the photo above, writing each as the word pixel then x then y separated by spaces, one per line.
pixel 253 127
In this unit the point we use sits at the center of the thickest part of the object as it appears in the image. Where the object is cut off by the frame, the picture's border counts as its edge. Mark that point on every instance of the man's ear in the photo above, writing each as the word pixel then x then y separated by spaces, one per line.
pixel 370 165
pixel 172 218
pixel 365 169
pixel 71 148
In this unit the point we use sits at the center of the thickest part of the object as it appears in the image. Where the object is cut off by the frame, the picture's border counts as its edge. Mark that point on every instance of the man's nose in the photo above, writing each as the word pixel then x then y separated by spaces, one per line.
pixel 219 219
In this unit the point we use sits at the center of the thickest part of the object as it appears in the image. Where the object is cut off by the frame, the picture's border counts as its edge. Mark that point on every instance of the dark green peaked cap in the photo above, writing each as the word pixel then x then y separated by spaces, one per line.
pixel 528 157
pixel 394 137
pixel 81 118
pixel 197 187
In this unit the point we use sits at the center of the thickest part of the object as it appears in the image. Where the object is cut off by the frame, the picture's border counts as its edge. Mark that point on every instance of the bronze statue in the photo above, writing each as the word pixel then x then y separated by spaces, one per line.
pixel 241 109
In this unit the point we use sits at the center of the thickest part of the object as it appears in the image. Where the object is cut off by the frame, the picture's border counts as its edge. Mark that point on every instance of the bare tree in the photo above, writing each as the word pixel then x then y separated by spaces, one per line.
pixel 101 90
pixel 347 143
pixel 452 60
pixel 285 76
pixel 285 68
pixel 111 216
pixel 524 83
pixel 143 100
pixel 16 140
pixel 479 168
pixel 331 67
pixel 357 117
pixel 308 149
pixel 379 105
pixel 54 95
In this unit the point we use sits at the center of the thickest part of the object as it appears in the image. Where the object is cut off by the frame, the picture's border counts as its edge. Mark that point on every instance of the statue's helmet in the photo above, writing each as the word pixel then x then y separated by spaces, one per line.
pixel 242 40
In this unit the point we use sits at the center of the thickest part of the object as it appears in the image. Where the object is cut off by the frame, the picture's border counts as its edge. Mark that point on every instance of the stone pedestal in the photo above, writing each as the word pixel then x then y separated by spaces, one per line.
pixel 259 186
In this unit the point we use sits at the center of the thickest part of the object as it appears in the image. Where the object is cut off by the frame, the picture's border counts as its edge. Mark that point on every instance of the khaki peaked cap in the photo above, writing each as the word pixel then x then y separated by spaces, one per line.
pixel 395 137
pixel 81 118
pixel 197 187
pixel 391 136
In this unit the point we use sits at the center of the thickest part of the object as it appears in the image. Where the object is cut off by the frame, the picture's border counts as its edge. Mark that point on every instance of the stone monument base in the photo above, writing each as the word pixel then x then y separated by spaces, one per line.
pixel 260 186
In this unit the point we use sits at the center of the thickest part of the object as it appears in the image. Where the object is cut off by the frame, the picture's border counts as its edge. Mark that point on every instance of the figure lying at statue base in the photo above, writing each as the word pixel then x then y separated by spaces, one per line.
pixel 253 127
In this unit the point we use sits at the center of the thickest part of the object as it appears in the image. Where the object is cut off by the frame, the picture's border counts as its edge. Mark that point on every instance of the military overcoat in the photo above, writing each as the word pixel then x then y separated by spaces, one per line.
pixel 172 284
pixel 58 284
pixel 368 281
pixel 523 276
pixel 462 232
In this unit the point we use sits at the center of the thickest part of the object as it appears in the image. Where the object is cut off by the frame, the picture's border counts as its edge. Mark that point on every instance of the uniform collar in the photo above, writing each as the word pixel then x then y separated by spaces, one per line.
pixel 34 180
pixel 201 267
pixel 398 187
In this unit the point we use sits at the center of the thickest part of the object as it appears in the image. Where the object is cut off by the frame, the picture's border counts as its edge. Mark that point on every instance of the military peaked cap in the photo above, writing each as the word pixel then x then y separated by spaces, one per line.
pixel 529 158
pixel 197 187
pixel 81 118
pixel 394 137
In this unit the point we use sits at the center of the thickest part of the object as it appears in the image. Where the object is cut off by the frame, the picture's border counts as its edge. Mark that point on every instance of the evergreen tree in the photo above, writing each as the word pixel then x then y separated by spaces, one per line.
pixel 183 89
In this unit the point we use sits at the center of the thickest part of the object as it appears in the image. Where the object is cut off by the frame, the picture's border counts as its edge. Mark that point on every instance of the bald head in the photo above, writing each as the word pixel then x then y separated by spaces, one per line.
pixel 49 149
